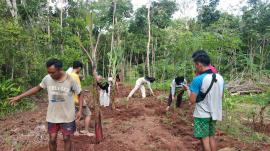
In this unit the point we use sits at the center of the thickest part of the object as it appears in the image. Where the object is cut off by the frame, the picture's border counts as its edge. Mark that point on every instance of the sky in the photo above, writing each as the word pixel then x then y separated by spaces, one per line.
pixel 189 7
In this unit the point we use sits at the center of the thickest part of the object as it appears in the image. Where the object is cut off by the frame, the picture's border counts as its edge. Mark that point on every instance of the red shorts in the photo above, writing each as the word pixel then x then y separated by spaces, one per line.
pixel 65 128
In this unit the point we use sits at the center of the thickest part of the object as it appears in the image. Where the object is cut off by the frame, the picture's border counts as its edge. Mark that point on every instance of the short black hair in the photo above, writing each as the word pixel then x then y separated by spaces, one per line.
pixel 56 62
pixel 179 80
pixel 118 78
pixel 199 52
pixel 150 79
pixel 77 64
pixel 203 59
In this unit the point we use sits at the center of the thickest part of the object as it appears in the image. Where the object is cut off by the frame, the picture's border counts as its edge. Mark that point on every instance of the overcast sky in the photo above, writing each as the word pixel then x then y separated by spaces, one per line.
pixel 189 7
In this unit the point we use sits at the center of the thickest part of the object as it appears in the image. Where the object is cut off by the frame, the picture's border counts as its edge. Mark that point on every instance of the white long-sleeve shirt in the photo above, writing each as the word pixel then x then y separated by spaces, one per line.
pixel 142 81
pixel 174 86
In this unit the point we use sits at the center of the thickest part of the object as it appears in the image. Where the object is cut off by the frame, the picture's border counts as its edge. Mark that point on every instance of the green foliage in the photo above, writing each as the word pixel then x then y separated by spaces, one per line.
pixel 240 112
pixel 161 85
pixel 207 12
pixel 87 81
pixel 9 89
pixel 238 45
pixel 160 16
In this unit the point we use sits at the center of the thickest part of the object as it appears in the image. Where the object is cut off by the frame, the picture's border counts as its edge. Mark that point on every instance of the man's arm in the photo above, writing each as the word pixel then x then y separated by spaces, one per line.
pixel 30 92
pixel 76 86
pixel 79 114
pixel 173 89
pixel 149 85
pixel 192 96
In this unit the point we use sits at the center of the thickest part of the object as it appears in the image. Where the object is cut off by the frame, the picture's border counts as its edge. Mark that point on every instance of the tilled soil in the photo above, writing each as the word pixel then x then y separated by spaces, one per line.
pixel 143 126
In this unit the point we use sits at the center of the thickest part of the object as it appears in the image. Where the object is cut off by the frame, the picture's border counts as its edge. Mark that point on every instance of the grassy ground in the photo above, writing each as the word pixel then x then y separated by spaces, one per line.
pixel 240 112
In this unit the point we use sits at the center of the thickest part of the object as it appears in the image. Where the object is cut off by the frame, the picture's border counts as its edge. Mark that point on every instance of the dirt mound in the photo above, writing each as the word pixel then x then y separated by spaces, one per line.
pixel 258 127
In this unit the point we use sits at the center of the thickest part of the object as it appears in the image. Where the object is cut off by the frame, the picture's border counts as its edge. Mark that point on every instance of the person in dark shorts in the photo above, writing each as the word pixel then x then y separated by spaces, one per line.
pixel 61 109
pixel 177 88
pixel 75 74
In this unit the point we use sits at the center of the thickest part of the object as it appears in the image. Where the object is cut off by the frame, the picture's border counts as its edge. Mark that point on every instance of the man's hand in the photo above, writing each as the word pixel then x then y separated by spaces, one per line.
pixel 79 115
pixel 30 92
pixel 167 108
pixel 186 87
pixel 14 100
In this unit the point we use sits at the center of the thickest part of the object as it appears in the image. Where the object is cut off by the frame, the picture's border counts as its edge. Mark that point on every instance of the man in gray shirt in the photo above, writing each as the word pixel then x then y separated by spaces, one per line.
pixel 61 109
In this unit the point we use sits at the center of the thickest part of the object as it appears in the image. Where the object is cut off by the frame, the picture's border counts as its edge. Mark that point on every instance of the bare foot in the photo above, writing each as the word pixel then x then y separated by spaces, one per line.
pixel 167 108
pixel 85 132
pixel 90 134
pixel 76 133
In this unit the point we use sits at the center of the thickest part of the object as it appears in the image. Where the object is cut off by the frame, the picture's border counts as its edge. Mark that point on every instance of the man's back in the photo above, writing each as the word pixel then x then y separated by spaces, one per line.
pixel 211 106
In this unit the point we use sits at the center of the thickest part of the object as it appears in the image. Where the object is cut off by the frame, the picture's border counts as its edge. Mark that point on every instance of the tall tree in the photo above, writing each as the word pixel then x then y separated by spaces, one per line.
pixel 208 13
pixel 12 5
pixel 149 39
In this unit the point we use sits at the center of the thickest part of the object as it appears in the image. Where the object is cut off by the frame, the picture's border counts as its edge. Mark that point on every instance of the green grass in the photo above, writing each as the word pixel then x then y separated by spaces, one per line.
pixel 6 108
pixel 236 128
pixel 8 89
pixel 239 112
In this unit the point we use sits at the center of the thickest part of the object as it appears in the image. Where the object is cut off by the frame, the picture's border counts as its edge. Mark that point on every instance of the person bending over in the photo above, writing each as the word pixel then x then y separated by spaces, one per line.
pixel 177 87
pixel 140 85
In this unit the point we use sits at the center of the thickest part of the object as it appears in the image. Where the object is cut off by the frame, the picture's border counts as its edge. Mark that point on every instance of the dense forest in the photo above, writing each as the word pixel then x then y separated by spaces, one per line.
pixel 33 31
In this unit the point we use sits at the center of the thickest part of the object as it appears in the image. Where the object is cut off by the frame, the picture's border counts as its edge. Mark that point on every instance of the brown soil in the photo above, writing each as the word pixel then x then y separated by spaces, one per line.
pixel 257 127
pixel 143 126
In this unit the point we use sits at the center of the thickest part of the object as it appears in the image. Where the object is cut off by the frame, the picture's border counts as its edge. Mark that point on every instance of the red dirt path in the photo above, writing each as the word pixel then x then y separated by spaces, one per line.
pixel 144 126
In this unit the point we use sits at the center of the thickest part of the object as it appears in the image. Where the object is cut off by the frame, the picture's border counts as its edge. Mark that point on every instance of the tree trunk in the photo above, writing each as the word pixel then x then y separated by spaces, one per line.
pixel 48 26
pixel 87 69
pixel 93 60
pixel 12 5
pixel 112 40
pixel 152 58
pixel 13 68
pixel 149 40
pixel 103 63
pixel 61 23
pixel 143 66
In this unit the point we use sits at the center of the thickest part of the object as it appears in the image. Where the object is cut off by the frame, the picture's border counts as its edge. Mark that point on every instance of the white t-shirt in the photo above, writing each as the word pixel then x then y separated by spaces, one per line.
pixel 141 81
pixel 61 108
pixel 175 86
pixel 211 106
pixel 69 70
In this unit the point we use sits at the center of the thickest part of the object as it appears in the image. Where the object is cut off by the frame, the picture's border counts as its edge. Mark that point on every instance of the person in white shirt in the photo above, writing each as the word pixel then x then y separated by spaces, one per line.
pixel 177 88
pixel 104 88
pixel 140 85
pixel 206 92
pixel 69 70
